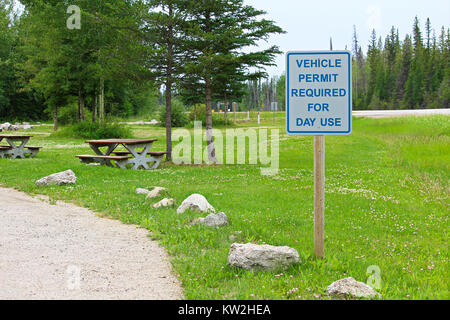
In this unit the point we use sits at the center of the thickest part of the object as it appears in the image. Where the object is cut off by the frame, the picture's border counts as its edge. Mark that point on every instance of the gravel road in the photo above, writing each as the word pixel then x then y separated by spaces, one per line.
pixel 66 252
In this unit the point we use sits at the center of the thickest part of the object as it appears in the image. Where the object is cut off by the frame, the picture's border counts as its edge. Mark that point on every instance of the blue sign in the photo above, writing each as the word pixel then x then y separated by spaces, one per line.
pixel 319 93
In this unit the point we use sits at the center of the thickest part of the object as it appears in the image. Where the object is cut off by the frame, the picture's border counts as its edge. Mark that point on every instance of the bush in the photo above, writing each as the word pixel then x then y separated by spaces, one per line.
pixel 90 130
pixel 69 114
pixel 218 119
pixel 179 117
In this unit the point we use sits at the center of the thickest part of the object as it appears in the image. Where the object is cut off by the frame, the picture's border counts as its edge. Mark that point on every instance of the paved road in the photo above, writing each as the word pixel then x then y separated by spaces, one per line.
pixel 45 249
pixel 399 113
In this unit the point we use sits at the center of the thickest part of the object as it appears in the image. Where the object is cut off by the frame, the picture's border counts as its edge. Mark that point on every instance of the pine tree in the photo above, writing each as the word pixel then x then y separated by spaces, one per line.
pixel 219 30
pixel 372 65
pixel 415 86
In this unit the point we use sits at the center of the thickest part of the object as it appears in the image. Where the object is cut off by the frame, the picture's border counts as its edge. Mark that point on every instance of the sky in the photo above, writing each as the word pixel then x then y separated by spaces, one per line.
pixel 310 24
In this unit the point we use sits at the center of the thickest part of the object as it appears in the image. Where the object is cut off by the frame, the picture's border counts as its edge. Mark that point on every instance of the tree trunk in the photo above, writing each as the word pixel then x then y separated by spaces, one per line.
pixel 102 101
pixel 226 111
pixel 55 119
pixel 94 109
pixel 209 136
pixel 81 103
pixel 169 83
pixel 169 120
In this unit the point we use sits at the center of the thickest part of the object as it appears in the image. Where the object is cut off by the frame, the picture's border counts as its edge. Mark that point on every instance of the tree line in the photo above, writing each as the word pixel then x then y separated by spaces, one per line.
pixel 409 74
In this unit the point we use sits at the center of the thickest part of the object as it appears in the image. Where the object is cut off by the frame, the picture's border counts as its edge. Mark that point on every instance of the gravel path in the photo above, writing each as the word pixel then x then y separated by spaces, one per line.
pixel 44 247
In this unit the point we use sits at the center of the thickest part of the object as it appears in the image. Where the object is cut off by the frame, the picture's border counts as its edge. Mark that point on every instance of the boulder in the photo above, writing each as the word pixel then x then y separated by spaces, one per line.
pixel 349 287
pixel 261 257
pixel 164 203
pixel 5 126
pixel 196 202
pixel 156 192
pixel 213 220
pixel 142 191
pixel 60 178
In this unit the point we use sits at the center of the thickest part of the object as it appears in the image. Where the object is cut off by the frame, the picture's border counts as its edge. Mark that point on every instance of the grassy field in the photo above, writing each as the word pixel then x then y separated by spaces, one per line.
pixel 387 188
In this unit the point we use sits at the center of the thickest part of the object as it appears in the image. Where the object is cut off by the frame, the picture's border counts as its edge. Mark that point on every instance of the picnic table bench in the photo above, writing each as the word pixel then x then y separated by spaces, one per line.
pixel 17 147
pixel 122 159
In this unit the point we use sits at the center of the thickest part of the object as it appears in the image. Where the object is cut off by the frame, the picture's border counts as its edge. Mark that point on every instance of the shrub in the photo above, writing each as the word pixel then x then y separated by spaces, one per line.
pixel 90 130
pixel 69 114
pixel 179 116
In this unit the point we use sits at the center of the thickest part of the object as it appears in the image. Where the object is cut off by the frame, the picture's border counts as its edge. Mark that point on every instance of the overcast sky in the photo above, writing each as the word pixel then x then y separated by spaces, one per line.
pixel 310 23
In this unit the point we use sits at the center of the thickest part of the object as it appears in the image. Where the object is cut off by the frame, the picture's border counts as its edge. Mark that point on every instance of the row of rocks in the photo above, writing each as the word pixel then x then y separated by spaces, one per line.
pixel 153 122
pixel 195 202
pixel 271 258
pixel 14 127
pixel 246 256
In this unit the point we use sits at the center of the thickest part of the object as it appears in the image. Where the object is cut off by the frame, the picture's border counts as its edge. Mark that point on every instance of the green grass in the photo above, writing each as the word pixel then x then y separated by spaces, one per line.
pixel 386 205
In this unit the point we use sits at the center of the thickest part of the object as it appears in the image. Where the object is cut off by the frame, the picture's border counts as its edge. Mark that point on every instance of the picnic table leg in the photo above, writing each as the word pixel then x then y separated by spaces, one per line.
pixel 140 158
pixel 157 161
pixel 34 153
pixel 17 151
pixel 110 149
pixel 122 164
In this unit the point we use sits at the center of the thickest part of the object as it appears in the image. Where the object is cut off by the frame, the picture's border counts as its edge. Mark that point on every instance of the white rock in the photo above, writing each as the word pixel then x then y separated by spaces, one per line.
pixel 349 287
pixel 142 191
pixel 153 122
pixel 261 257
pixel 214 220
pixel 60 178
pixel 164 203
pixel 5 126
pixel 156 192
pixel 195 202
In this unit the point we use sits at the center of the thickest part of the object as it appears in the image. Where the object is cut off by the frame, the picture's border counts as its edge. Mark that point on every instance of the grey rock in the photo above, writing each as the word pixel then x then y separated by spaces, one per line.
pixel 142 191
pixel 349 287
pixel 5 126
pixel 214 220
pixel 164 203
pixel 195 202
pixel 261 257
pixel 156 192
pixel 60 178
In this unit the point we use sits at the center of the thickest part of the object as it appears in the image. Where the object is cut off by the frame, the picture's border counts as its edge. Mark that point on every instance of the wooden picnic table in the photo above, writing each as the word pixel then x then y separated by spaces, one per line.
pixel 16 147
pixel 123 158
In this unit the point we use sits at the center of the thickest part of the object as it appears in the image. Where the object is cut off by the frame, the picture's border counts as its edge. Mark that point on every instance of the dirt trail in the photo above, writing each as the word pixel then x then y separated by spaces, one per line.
pixel 45 249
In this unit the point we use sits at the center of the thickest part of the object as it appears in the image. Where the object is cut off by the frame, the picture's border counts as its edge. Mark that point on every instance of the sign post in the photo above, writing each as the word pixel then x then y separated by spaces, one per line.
pixel 319 103
pixel 274 108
